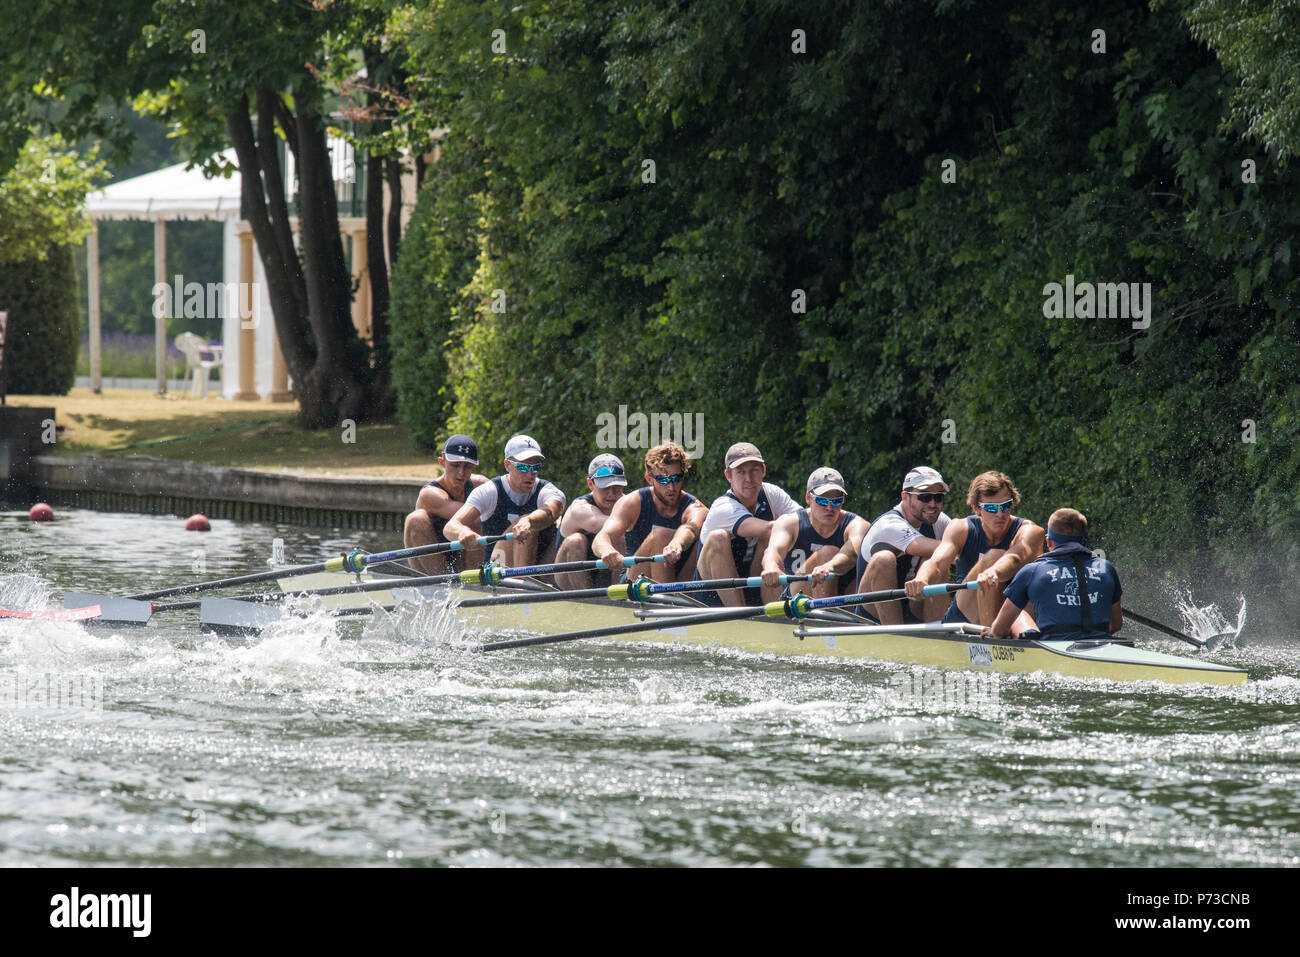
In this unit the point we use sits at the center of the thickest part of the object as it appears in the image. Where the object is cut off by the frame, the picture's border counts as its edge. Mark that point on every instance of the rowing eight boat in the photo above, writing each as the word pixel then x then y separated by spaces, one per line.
pixel 942 645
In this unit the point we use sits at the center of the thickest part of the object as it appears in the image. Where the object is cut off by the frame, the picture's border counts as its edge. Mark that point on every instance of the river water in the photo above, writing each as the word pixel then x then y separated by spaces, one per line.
pixel 374 743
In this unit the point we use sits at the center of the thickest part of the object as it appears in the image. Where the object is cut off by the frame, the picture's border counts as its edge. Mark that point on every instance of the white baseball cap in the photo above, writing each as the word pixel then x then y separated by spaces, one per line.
pixel 922 477
pixel 524 448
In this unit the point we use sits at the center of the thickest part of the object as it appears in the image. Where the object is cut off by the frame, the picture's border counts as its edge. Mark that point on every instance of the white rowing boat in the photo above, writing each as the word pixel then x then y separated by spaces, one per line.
pixel 938 644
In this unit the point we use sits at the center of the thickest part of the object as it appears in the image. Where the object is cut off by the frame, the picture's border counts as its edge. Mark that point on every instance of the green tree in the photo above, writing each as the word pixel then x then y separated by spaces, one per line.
pixel 42 199
pixel 41 339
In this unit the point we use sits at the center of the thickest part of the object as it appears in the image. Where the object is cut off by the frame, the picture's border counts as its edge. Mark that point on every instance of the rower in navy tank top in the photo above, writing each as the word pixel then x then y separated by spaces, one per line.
pixel 662 518
pixel 585 517
pixel 820 540
pixel 988 548
pixel 438 501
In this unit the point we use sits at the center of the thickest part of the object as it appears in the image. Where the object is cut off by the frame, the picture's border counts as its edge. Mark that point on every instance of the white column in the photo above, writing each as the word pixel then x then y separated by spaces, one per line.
pixel 92 280
pixel 160 323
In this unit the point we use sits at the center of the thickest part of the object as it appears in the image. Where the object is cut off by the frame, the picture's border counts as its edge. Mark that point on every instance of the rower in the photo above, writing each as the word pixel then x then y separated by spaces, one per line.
pixel 520 502
pixel 819 540
pixel 989 547
pixel 739 525
pixel 1044 599
pixel 661 518
pixel 585 518
pixel 899 541
pixel 438 501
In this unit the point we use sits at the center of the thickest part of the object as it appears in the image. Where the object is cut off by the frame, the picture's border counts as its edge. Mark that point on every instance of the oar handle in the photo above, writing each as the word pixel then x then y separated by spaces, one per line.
pixel 801 604
pixel 356 561
pixel 493 574
pixel 642 589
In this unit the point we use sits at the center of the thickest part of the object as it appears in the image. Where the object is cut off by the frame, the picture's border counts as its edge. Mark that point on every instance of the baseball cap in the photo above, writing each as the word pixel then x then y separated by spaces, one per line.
pixel 606 470
pixel 524 448
pixel 460 448
pixel 824 480
pixel 922 476
pixel 741 453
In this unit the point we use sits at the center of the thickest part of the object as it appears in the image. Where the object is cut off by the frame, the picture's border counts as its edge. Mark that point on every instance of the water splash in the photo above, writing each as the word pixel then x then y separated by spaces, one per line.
pixel 1206 622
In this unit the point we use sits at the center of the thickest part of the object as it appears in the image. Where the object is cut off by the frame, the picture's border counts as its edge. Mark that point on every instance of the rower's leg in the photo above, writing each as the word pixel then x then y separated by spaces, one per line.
pixel 882 573
pixel 827 588
pixel 756 565
pixel 716 561
pixel 979 606
pixel 652 545
pixel 574 549
pixel 418 531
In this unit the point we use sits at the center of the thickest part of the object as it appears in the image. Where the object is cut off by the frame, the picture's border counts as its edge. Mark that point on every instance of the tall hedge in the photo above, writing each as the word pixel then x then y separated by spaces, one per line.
pixel 44 330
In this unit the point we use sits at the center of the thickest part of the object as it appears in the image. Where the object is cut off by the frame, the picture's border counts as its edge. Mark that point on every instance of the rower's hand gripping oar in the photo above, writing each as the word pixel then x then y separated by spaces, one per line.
pixel 797 607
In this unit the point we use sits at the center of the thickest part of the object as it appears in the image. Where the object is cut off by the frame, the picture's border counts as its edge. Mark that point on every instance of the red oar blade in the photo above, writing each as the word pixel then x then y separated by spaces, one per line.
pixel 113 611
pixel 56 614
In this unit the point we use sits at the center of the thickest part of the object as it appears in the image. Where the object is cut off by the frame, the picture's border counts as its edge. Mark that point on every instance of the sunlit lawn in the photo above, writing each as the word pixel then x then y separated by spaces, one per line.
pixel 222 432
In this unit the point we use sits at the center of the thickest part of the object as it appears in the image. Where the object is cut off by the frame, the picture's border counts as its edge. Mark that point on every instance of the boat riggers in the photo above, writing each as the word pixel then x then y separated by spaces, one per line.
pixel 352 562
pixel 797 607
pixel 494 574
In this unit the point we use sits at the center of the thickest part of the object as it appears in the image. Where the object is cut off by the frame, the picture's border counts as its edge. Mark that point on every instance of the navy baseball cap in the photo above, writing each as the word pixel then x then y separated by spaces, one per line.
pixel 460 448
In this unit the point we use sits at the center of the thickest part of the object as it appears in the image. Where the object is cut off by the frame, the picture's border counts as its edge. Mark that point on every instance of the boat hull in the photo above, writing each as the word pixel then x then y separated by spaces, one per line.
pixel 945 646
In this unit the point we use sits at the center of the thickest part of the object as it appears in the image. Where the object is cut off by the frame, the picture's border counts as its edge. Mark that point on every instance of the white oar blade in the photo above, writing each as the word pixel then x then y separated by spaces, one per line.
pixel 226 616
pixel 113 611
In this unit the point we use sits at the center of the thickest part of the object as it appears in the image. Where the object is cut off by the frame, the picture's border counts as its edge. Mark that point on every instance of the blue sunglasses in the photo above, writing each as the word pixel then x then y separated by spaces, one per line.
pixel 994 507
pixel 526 468
pixel 825 502
pixel 605 471
pixel 668 479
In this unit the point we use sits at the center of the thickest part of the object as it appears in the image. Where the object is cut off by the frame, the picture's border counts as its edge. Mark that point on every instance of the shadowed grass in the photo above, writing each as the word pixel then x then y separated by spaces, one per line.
pixel 222 432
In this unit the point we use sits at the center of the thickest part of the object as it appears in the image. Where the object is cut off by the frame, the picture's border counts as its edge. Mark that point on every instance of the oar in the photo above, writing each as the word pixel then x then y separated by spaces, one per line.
pixel 352 562
pixel 234 613
pixel 65 614
pixel 1211 643
pixel 797 607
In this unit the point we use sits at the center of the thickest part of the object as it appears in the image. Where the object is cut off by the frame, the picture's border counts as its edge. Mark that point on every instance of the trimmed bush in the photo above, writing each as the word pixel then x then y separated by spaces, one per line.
pixel 44 332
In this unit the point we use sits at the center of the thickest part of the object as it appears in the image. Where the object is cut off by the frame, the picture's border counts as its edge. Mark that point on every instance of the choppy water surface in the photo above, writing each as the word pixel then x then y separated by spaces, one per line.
pixel 351 743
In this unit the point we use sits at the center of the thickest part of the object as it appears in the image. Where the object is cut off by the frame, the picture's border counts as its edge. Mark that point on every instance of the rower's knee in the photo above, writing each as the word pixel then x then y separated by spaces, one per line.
pixel 882 571
pixel 573 548
pixel 656 541
pixel 717 540
pixel 418 530
pixel 985 561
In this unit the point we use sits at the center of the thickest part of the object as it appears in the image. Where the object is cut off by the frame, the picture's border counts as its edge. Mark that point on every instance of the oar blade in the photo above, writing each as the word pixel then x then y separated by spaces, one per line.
pixel 112 611
pixel 227 616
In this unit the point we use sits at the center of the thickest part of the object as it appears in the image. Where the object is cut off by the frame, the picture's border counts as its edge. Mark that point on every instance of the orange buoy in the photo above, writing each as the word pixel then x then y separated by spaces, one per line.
pixel 198 523
pixel 40 512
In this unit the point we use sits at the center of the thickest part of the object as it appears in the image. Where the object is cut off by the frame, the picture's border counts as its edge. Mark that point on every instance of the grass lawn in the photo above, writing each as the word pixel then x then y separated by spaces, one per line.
pixel 221 432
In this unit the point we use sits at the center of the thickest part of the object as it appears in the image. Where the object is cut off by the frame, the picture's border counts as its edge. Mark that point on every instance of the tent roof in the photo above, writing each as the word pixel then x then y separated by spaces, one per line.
pixel 169 194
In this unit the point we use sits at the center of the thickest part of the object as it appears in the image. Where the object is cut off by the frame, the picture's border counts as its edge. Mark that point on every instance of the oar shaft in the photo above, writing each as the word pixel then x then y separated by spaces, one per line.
pixel 353 561
pixel 891 594
pixel 1163 629
pixel 729 614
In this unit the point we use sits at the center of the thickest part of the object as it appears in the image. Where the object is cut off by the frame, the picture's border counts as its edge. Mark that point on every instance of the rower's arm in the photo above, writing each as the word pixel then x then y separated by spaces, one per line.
pixel 465 526
pixel 688 533
pixel 784 530
pixel 1025 547
pixel 611 539
pixel 1116 618
pixel 437 502
pixel 546 515
pixel 758 528
pixel 935 568
pixel 846 559
pixel 924 546
pixel 1001 626
pixel 581 516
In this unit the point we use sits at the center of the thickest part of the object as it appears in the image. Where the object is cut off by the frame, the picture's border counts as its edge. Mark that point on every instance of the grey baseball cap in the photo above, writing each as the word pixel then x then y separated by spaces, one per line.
pixel 824 480
pixel 743 452
pixel 606 470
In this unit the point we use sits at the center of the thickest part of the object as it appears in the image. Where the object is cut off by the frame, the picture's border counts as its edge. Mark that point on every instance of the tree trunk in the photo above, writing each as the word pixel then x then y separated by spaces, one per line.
pixel 309 285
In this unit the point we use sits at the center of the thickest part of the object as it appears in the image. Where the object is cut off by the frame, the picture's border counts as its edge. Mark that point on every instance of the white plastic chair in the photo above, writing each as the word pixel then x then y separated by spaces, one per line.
pixel 193 347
